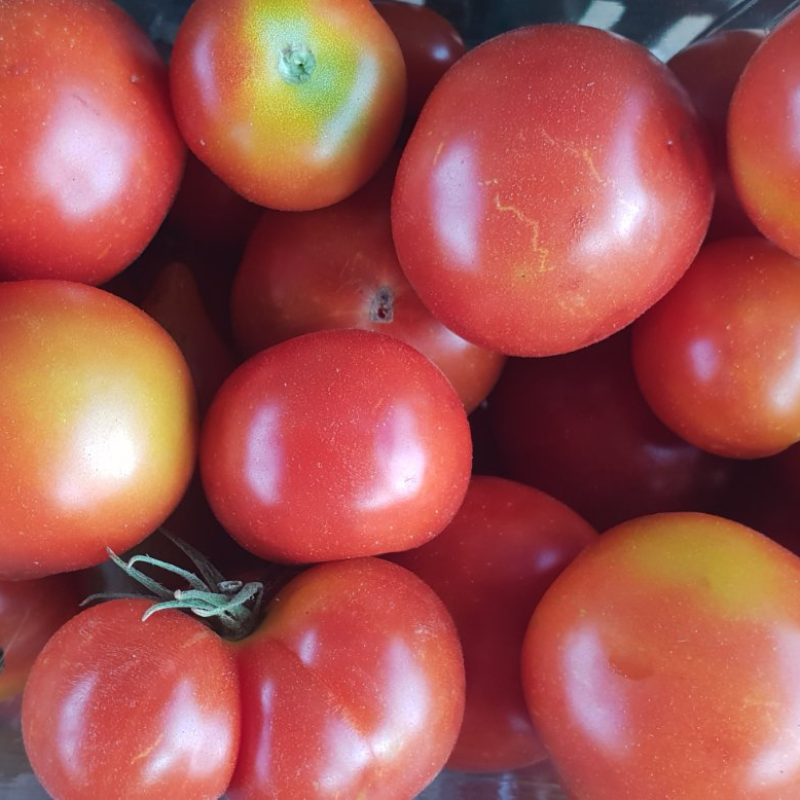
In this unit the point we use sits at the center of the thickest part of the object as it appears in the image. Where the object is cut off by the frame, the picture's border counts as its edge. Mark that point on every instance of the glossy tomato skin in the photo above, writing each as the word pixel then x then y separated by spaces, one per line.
pixel 662 663
pixel 555 186
pixel 335 444
pixel 98 426
pixel 117 707
pixel 352 687
pixel 490 566
pixel 91 157
pixel 292 143
pixel 717 359
pixel 337 267
pixel 762 135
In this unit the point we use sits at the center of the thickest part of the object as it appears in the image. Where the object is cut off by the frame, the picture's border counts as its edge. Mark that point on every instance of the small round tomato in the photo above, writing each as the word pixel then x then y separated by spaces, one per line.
pixel 335 444
pixel 90 156
pixel 293 103
pixel 555 186
pixel 97 426
pixel 663 663
pixel 718 358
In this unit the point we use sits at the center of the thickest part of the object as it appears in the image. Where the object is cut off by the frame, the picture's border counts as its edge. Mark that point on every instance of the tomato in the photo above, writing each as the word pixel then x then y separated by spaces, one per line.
pixel 293 103
pixel 335 444
pixel 709 69
pixel 430 45
pixel 662 663
pixel 555 186
pixel 718 358
pixel 97 426
pixel 351 686
pixel 762 135
pixel 337 267
pixel 490 566
pixel 577 427
pixel 90 156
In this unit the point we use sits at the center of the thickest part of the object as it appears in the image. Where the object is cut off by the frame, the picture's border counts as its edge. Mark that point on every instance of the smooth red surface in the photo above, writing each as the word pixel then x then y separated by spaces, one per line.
pixel 90 156
pixel 335 444
pixel 555 186
pixel 491 565
pixel 663 662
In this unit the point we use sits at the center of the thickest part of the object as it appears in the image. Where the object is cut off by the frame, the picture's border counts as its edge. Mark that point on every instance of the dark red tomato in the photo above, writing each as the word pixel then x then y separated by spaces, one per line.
pixel 710 69
pixel 430 45
pixel 762 136
pixel 335 444
pixel 555 186
pixel 662 663
pixel 337 267
pixel 490 566
pixel 352 686
pixel 90 156
pixel 293 103
pixel 577 427
pixel 30 613
pixel 718 359
pixel 97 426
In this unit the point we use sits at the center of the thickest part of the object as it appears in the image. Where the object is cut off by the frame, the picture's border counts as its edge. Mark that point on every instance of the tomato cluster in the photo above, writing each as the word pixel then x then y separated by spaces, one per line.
pixel 475 371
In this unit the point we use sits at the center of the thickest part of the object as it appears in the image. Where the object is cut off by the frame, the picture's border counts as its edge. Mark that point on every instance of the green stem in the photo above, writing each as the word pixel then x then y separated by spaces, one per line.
pixel 297 63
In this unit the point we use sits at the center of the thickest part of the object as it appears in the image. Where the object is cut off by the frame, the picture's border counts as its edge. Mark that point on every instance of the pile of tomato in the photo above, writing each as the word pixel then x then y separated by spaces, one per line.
pixel 399 407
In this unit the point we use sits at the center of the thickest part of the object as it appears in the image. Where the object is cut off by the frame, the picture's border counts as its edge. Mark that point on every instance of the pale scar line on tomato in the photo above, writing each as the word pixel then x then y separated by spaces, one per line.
pixel 541 252
pixel 582 153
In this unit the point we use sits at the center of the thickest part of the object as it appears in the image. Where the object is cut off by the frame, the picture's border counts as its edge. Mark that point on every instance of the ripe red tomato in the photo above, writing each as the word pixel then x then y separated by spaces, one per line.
pixel 490 566
pixel 718 358
pixel 555 186
pixel 293 103
pixel 97 426
pixel 762 136
pixel 337 267
pixel 90 156
pixel 353 685
pixel 335 444
pixel 662 662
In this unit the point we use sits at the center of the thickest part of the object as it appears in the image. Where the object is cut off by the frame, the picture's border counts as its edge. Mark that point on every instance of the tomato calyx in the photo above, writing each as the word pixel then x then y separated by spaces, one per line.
pixel 297 63
pixel 232 607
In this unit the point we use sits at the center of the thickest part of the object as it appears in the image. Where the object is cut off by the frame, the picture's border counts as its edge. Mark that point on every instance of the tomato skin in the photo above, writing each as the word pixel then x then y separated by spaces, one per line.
pixel 98 426
pixel 762 135
pixel 291 146
pixel 717 359
pixel 115 707
pixel 90 156
pixel 353 687
pixel 555 186
pixel 491 566
pixel 662 663
pixel 335 444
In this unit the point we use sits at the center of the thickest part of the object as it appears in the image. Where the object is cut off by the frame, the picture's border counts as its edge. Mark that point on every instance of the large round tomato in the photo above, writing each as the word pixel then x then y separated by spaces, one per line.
pixel 352 686
pixel 335 444
pixel 293 103
pixel 97 426
pixel 663 663
pixel 90 156
pixel 555 186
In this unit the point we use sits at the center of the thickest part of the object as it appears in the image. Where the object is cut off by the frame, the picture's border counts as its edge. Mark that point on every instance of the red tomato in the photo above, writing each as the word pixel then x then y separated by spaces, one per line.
pixel 90 157
pixel 718 359
pixel 293 103
pixel 430 45
pixel 762 136
pixel 335 444
pixel 663 663
pixel 709 69
pixel 353 685
pixel 555 186
pixel 490 566
pixel 97 426
pixel 336 267
pixel 577 427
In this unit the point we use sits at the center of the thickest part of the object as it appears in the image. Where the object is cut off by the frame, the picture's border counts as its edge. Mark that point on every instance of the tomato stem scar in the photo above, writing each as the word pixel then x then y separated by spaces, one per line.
pixel 297 63
pixel 382 306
